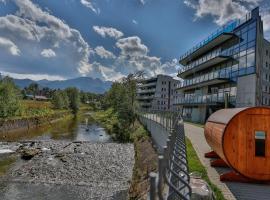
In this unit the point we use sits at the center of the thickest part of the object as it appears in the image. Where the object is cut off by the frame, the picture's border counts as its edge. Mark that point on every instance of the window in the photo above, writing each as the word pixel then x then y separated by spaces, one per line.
pixel 260 143
pixel 251 34
pixel 251 60
pixel 267 52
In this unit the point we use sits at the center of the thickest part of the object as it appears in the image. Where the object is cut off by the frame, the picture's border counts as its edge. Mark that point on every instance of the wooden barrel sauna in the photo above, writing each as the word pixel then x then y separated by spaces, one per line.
pixel 241 138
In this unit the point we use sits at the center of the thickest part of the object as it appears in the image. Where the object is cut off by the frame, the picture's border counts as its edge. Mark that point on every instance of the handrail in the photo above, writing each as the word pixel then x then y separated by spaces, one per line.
pixel 172 180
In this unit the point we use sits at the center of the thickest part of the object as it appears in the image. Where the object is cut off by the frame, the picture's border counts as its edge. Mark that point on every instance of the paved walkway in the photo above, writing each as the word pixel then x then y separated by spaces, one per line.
pixel 230 190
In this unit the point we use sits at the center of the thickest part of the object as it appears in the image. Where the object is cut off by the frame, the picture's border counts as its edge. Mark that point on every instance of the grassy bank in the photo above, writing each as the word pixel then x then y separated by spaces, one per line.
pixel 109 120
pixel 195 165
pixel 32 108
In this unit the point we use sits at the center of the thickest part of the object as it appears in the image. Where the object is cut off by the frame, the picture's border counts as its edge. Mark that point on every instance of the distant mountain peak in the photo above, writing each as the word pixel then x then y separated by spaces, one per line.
pixel 86 84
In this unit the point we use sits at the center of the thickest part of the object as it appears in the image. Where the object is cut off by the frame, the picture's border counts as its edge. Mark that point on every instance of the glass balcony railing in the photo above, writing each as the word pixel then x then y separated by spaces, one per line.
pixel 225 73
pixel 204 99
pixel 204 78
pixel 204 59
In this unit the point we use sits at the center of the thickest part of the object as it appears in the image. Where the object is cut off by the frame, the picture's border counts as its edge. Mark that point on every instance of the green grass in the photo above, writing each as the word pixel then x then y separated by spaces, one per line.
pixel 107 118
pixel 5 164
pixel 195 165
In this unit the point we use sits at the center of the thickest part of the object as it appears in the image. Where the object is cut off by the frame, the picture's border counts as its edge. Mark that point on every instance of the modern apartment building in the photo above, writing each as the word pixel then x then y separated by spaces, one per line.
pixel 157 93
pixel 230 67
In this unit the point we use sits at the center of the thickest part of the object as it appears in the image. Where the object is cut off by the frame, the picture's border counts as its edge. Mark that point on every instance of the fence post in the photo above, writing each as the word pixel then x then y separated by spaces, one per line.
pixel 161 172
pixel 152 193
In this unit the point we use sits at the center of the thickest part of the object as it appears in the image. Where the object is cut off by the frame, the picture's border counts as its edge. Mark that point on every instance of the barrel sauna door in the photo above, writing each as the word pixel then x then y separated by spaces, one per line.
pixel 258 144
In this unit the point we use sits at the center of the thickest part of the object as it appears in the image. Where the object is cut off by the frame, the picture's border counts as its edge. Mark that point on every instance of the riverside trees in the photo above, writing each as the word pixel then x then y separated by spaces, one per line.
pixel 9 98
pixel 121 97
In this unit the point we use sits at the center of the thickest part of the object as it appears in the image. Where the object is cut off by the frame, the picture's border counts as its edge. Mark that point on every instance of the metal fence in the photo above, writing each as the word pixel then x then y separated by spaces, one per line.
pixel 172 180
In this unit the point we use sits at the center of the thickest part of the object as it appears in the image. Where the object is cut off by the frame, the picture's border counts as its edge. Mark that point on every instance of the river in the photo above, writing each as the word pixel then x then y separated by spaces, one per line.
pixel 79 128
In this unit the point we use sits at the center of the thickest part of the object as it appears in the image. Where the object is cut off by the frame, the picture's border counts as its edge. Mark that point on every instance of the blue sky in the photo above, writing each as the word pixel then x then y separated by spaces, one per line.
pixel 107 39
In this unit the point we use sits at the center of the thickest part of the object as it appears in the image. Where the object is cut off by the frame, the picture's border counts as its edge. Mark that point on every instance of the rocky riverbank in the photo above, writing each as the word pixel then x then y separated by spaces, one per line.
pixel 68 170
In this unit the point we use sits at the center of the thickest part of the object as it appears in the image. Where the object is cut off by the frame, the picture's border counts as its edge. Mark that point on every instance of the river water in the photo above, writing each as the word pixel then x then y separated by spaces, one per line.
pixel 79 128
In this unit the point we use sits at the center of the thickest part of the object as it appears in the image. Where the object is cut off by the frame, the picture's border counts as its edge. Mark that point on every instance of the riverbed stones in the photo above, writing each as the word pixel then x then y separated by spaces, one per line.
pixel 71 170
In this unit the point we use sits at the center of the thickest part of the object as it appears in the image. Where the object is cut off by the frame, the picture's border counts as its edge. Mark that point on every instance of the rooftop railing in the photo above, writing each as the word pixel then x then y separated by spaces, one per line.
pixel 225 29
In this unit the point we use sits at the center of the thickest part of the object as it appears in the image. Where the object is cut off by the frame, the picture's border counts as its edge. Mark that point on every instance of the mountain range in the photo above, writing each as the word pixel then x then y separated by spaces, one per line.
pixel 86 84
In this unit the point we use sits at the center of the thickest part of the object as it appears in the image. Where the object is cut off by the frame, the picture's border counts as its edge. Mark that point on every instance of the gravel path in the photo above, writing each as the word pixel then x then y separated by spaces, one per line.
pixel 70 170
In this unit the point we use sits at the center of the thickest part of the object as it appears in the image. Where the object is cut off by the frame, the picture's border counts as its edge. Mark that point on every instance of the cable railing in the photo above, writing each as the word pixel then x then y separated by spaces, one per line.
pixel 171 182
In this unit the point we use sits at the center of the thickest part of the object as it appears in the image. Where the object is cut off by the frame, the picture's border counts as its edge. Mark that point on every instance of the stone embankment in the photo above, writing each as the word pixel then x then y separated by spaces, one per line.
pixel 68 170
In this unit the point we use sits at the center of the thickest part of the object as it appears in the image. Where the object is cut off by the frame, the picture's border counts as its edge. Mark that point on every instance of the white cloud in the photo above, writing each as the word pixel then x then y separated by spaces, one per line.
pixel 132 46
pixel 89 4
pixel 105 73
pixel 110 74
pixel 10 46
pixel 34 30
pixel 35 77
pixel 134 21
pixel 108 31
pixel 48 53
pixel 221 10
pixel 134 56
pixel 142 2
pixel 103 53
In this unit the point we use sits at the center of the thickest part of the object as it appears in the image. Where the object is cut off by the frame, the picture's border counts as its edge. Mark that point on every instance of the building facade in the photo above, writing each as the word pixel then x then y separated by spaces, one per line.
pixel 158 93
pixel 229 68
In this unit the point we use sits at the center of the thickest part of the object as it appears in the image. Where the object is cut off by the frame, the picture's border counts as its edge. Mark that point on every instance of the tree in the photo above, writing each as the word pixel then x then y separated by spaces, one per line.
pixel 74 99
pixel 60 100
pixel 33 88
pixel 9 99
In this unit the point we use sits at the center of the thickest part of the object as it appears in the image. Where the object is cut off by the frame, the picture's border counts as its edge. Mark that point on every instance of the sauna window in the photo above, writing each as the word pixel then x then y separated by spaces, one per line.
pixel 260 143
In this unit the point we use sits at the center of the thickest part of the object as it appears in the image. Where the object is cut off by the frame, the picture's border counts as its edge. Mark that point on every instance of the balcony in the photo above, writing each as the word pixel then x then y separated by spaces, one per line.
pixel 215 39
pixel 147 84
pixel 142 91
pixel 145 104
pixel 208 99
pixel 146 97
pixel 204 80
pixel 209 60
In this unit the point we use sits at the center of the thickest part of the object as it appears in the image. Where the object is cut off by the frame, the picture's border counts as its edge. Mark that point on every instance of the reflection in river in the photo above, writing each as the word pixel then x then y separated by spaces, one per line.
pixel 79 128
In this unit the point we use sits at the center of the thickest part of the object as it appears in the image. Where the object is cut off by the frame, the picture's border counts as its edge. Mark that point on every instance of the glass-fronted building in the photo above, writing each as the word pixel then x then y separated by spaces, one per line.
pixel 227 68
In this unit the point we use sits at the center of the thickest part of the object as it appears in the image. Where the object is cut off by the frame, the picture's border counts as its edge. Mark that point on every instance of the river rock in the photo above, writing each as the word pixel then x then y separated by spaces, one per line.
pixel 94 171
pixel 28 153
